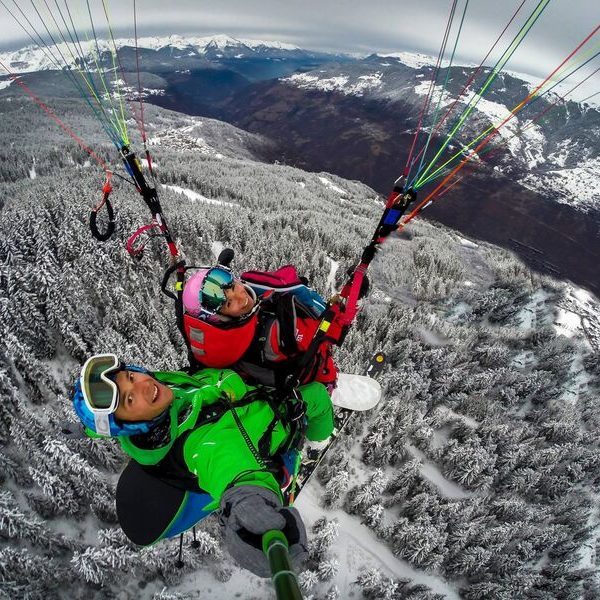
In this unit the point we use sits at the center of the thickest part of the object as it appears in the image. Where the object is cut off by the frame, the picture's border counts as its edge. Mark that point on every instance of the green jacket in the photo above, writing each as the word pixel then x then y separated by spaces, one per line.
pixel 217 453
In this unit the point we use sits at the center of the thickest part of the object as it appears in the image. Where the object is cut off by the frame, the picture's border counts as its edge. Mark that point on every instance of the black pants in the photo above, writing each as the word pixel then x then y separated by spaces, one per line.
pixel 150 509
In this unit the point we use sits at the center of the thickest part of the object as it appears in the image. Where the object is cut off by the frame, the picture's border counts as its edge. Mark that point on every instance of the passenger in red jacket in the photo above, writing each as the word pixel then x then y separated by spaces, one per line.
pixel 259 324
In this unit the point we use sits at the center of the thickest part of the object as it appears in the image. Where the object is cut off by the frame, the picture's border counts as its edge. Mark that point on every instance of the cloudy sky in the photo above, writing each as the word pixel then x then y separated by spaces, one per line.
pixel 362 26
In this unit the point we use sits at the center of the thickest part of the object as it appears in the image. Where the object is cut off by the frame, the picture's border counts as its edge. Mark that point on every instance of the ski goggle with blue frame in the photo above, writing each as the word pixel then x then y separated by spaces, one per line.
pixel 212 292
pixel 100 393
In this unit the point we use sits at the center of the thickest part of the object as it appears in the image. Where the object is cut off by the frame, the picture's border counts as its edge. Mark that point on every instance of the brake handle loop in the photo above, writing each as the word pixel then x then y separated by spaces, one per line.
pixel 135 248
pixel 103 236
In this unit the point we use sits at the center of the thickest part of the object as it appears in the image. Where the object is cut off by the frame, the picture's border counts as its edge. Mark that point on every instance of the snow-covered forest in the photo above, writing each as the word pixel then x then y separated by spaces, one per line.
pixel 477 475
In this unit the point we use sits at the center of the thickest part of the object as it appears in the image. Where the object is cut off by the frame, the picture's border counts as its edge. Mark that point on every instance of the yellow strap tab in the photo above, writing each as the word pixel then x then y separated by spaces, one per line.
pixel 178 286
pixel 324 327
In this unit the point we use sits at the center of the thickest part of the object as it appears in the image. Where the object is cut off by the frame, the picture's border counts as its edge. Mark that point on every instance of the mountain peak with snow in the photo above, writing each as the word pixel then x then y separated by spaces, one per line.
pixel 416 60
pixel 34 58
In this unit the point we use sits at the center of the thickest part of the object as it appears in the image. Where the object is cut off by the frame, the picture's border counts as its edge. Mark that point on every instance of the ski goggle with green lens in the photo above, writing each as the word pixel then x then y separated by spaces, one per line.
pixel 100 393
pixel 212 292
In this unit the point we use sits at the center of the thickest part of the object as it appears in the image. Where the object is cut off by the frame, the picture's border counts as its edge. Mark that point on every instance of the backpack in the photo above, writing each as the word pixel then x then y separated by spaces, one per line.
pixel 295 313
pixel 285 280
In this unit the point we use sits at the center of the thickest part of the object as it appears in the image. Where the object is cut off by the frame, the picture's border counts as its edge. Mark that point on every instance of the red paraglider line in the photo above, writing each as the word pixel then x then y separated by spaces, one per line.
pixel 55 118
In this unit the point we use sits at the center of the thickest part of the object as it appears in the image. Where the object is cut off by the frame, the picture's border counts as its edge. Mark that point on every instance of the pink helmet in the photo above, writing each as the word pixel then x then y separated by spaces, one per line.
pixel 205 287
pixel 191 293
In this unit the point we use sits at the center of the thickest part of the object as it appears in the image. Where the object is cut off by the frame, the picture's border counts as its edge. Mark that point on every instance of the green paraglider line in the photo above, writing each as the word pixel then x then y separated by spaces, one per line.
pixel 441 96
pixel 491 150
pixel 495 71
pixel 431 196
pixel 115 54
pixel 56 45
pixel 465 87
pixel 88 80
pixel 139 82
pixel 441 170
pixel 98 55
pixel 65 72
pixel 409 162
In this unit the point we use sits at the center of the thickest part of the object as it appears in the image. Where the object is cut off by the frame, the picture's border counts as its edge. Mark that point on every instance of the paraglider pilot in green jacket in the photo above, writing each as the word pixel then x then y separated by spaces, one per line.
pixel 205 435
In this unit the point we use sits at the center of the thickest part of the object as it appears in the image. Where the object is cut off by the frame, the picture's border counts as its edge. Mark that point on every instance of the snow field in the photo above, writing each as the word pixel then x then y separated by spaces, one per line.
pixel 195 196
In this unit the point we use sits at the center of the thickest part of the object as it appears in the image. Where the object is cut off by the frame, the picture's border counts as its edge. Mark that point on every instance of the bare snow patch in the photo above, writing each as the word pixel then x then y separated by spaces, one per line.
pixel 414 60
pixel 146 165
pixel 332 186
pixel 326 84
pixel 195 196
pixel 559 158
pixel 432 338
pixel 580 313
pixel 583 297
pixel 467 243
pixel 216 248
pixel 535 313
pixel 432 473
pixel 439 95
pixel 4 84
pixel 340 83
pixel 567 323
pixel 334 265
pixel 358 548
pixel 579 186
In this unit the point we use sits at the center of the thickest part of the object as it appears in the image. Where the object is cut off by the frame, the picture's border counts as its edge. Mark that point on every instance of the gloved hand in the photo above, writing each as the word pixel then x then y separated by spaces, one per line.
pixel 247 512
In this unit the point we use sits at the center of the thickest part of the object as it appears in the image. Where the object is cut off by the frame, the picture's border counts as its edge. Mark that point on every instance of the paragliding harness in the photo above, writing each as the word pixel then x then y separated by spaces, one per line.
pixel 182 502
pixel 172 470
pixel 289 317
pixel 259 343
pixel 331 329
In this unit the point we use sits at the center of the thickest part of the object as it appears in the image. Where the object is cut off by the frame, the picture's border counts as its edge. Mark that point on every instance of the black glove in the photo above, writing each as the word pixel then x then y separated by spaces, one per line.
pixel 407 198
pixel 225 257
pixel 248 512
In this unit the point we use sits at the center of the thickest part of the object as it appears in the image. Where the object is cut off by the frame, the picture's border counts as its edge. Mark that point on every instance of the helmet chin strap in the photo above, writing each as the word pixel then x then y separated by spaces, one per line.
pixel 255 299
pixel 251 292
pixel 102 423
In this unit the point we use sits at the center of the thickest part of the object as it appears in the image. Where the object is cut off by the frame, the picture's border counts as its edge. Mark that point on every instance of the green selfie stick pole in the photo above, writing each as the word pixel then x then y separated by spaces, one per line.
pixel 275 546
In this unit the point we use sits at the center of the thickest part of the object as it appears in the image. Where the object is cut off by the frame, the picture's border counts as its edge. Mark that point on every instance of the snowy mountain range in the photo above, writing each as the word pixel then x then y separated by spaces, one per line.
pixel 564 168
pixel 35 58
pixel 356 116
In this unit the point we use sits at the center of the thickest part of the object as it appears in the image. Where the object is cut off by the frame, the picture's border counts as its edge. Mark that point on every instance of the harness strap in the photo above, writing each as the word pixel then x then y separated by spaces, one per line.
pixel 285 310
